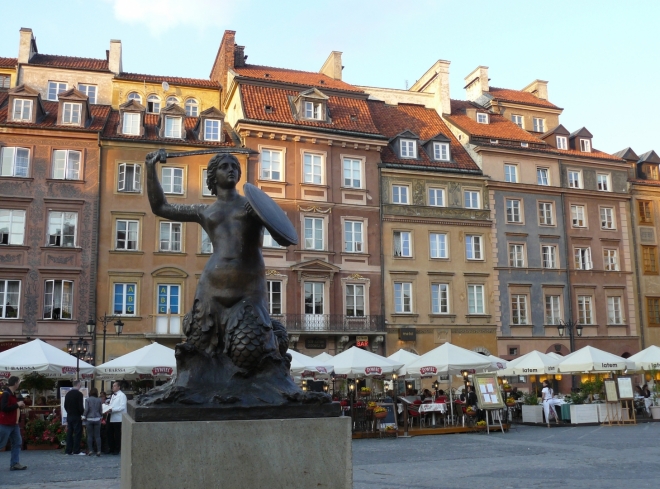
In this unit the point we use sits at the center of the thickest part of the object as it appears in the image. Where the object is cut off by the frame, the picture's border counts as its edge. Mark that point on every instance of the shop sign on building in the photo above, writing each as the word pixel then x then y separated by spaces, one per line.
pixel 362 341
pixel 407 334
pixel 315 343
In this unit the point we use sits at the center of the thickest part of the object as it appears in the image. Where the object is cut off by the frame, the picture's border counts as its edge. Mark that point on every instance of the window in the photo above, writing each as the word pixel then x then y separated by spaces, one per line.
pixel 408 148
pixel 606 218
pixel 71 114
pixel 614 315
pixel 519 309
pixel 524 145
pixel 12 226
pixel 135 96
pixel 172 180
pixel 439 298
pixel 5 81
pixel 545 214
pixel 271 164
pixel 313 168
pixel 89 90
pixel 473 249
pixel 577 216
pixel 645 211
pixel 402 244
pixel 650 259
pixel 482 118
pixel 542 176
pixel 313 233
pixel 131 124
pixel 438 245
pixel 653 171
pixel 168 299
pixel 127 235
pixel 153 104
pixel 471 198
pixel 611 260
pixel 314 298
pixel 583 259
pixel 539 124
pixel 353 237
pixel 516 255
pixel 173 127
pixel 313 110
pixel 517 120
pixel 211 130
pixel 206 247
pixel 274 291
pixel 437 197
pixel 604 182
pixel 192 107
pixel 476 299
pixel 511 173
pixel 22 110
pixel 206 191
pixel 574 179
pixel 354 300
pixel 66 165
pixel 14 162
pixel 562 142
pixel 441 151
pixel 352 173
pixel 549 256
pixel 10 292
pixel 58 299
pixel 170 236
pixel 584 309
pixel 402 297
pixel 513 211
pixel 552 309
pixel 269 242
pixel 653 307
pixel 171 101
pixel 513 351
pixel 55 88
pixel 124 302
pixel 399 194
pixel 585 145
pixel 130 177
pixel 62 228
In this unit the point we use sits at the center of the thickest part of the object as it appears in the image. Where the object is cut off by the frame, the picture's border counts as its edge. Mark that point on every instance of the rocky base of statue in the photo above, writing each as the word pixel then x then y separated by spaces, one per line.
pixel 214 388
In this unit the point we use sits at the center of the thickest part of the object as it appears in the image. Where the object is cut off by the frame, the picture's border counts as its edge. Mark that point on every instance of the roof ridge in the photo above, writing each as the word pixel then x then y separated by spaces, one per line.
pixel 163 76
pixel 65 56
pixel 284 69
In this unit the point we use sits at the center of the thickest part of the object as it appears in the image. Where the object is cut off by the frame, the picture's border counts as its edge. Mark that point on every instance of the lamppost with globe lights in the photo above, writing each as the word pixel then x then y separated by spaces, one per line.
pixel 79 350
pixel 91 329
pixel 573 328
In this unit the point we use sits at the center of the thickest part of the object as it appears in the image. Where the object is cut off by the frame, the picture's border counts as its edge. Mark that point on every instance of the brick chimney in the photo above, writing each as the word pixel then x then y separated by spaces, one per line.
pixel 239 56
pixel 538 88
pixel 332 66
pixel 27 46
pixel 476 83
pixel 224 60
pixel 114 56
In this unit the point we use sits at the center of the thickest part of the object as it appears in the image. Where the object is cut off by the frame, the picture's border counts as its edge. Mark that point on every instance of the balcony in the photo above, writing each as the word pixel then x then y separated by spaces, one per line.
pixel 331 323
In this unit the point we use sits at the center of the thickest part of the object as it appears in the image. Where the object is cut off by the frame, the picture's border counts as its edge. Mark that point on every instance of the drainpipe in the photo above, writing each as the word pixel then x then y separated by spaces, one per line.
pixel 568 262
pixel 382 256
pixel 637 273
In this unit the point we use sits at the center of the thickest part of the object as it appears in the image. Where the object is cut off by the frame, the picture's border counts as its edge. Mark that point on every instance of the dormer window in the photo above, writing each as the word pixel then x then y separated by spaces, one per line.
pixel 562 142
pixel 211 130
pixel 72 113
pixel 408 148
pixel 585 145
pixel 54 89
pixel 172 127
pixel 209 125
pixel 482 118
pixel 153 104
pixel 22 110
pixel 653 172
pixel 131 124
pixel 441 151
pixel 313 110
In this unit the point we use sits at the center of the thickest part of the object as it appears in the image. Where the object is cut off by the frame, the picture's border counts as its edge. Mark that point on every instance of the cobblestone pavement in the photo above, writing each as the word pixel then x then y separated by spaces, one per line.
pixel 527 457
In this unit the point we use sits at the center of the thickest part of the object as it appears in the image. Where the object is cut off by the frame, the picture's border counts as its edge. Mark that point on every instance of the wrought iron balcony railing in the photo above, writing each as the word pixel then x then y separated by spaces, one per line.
pixel 331 323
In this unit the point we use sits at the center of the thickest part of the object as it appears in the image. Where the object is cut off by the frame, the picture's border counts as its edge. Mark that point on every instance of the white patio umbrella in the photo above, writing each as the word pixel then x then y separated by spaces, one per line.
pixel 496 364
pixel 405 357
pixel 39 356
pixel 324 358
pixel 556 355
pixel 647 359
pixel 532 363
pixel 153 361
pixel 590 359
pixel 356 362
pixel 302 363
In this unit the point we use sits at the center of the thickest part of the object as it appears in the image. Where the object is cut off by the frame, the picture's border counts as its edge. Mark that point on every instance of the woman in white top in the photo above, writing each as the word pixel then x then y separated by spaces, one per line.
pixel 548 403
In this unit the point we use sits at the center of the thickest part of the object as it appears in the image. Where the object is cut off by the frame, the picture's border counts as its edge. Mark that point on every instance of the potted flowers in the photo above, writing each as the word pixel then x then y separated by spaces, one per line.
pixel 44 434
pixel 365 391
pixel 481 425
pixel 380 412
pixel 471 411
pixel 532 411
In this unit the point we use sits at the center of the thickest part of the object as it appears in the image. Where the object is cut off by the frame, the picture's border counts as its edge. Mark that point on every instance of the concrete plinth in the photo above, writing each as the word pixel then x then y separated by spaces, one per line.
pixel 252 454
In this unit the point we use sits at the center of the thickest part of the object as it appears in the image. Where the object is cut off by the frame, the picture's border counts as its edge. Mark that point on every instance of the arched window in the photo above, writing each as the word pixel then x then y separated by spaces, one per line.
pixel 172 100
pixel 135 96
pixel 153 104
pixel 192 108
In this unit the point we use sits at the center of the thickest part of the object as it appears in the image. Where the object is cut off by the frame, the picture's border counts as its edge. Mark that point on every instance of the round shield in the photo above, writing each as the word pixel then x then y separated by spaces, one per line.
pixel 271 214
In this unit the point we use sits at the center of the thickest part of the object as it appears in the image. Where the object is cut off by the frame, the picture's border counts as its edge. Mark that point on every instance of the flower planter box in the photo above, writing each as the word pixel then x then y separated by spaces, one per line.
pixel 532 414
pixel 42 447
pixel 655 412
pixel 584 413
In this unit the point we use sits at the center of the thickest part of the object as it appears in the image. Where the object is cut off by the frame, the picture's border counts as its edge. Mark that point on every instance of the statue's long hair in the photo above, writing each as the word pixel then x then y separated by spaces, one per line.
pixel 211 181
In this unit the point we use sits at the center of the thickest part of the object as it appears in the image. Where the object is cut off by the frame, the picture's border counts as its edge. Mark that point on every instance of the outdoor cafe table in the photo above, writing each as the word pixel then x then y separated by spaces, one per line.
pixel 433 407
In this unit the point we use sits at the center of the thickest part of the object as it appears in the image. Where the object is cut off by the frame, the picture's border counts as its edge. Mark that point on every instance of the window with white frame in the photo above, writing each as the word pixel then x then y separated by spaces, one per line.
pixel 211 130
pixel 269 242
pixel 471 199
pixel 72 113
pixel 168 298
pixel 135 96
pixel 14 162
pixel 408 148
pixel 607 218
pixel 62 228
pixel 516 255
pixel 271 164
pixel 12 226
pixel 352 172
pixel 54 89
pixel 173 127
pixel 539 124
pixel 585 145
pixel 130 177
pixel 131 124
pixel 127 234
pixel 518 309
pixel 5 81
pixel 611 259
pixel 312 168
pixel 89 90
pixel 476 299
pixel 549 256
pixel 314 233
pixel 58 300
pixel 314 298
pixel 546 217
pixel 353 237
pixel 10 294
pixel 171 100
pixel 562 142
pixel 313 110
pixel 153 104
pixel 355 300
pixel 437 197
pixel 585 313
pixel 170 236
pixel 583 258
pixel 438 245
pixel 206 247
pixel 603 180
pixel 473 247
pixel 402 297
pixel 400 194
pixel 206 191
pixel 511 173
pixel 542 176
pixel 577 216
pixel 482 118
pixel 574 179
pixel 402 246
pixel 192 107
pixel 552 309
pixel 614 315
pixel 440 298
pixel 274 295
pixel 513 214
pixel 441 151
pixel 517 120
pixel 66 164
pixel 124 299
pixel 22 110
pixel 172 180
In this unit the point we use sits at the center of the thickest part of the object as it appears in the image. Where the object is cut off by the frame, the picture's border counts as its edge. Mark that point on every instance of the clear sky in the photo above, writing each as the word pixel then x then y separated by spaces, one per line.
pixel 600 57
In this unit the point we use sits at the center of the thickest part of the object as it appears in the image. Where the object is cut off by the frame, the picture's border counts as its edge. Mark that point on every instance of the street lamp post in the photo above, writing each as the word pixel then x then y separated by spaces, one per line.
pixel 91 329
pixel 79 349
pixel 572 328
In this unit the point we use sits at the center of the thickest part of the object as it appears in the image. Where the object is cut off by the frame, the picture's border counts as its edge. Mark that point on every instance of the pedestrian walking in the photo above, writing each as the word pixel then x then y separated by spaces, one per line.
pixel 93 414
pixel 74 406
pixel 10 413
pixel 117 408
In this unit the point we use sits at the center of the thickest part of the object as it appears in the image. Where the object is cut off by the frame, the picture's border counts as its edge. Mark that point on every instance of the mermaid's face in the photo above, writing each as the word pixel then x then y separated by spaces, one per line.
pixel 228 173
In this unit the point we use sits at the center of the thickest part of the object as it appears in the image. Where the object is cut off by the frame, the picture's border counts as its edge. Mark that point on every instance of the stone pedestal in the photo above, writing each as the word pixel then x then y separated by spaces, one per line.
pixel 251 454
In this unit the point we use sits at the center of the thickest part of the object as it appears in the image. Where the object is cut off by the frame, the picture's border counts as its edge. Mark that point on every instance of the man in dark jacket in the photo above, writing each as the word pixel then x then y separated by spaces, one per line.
pixel 74 407
pixel 10 412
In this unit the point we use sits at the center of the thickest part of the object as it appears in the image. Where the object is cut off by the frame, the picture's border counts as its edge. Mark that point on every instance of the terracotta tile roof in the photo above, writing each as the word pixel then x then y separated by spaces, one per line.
pixel 392 120
pixel 520 97
pixel 640 181
pixel 8 62
pixel 173 80
pixel 3 96
pixel 70 62
pixel 99 114
pixel 348 114
pixel 295 77
pixel 599 155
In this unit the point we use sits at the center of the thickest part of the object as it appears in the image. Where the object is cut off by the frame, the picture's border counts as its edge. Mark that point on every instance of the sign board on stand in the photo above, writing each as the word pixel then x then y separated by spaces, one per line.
pixel 625 388
pixel 489 396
